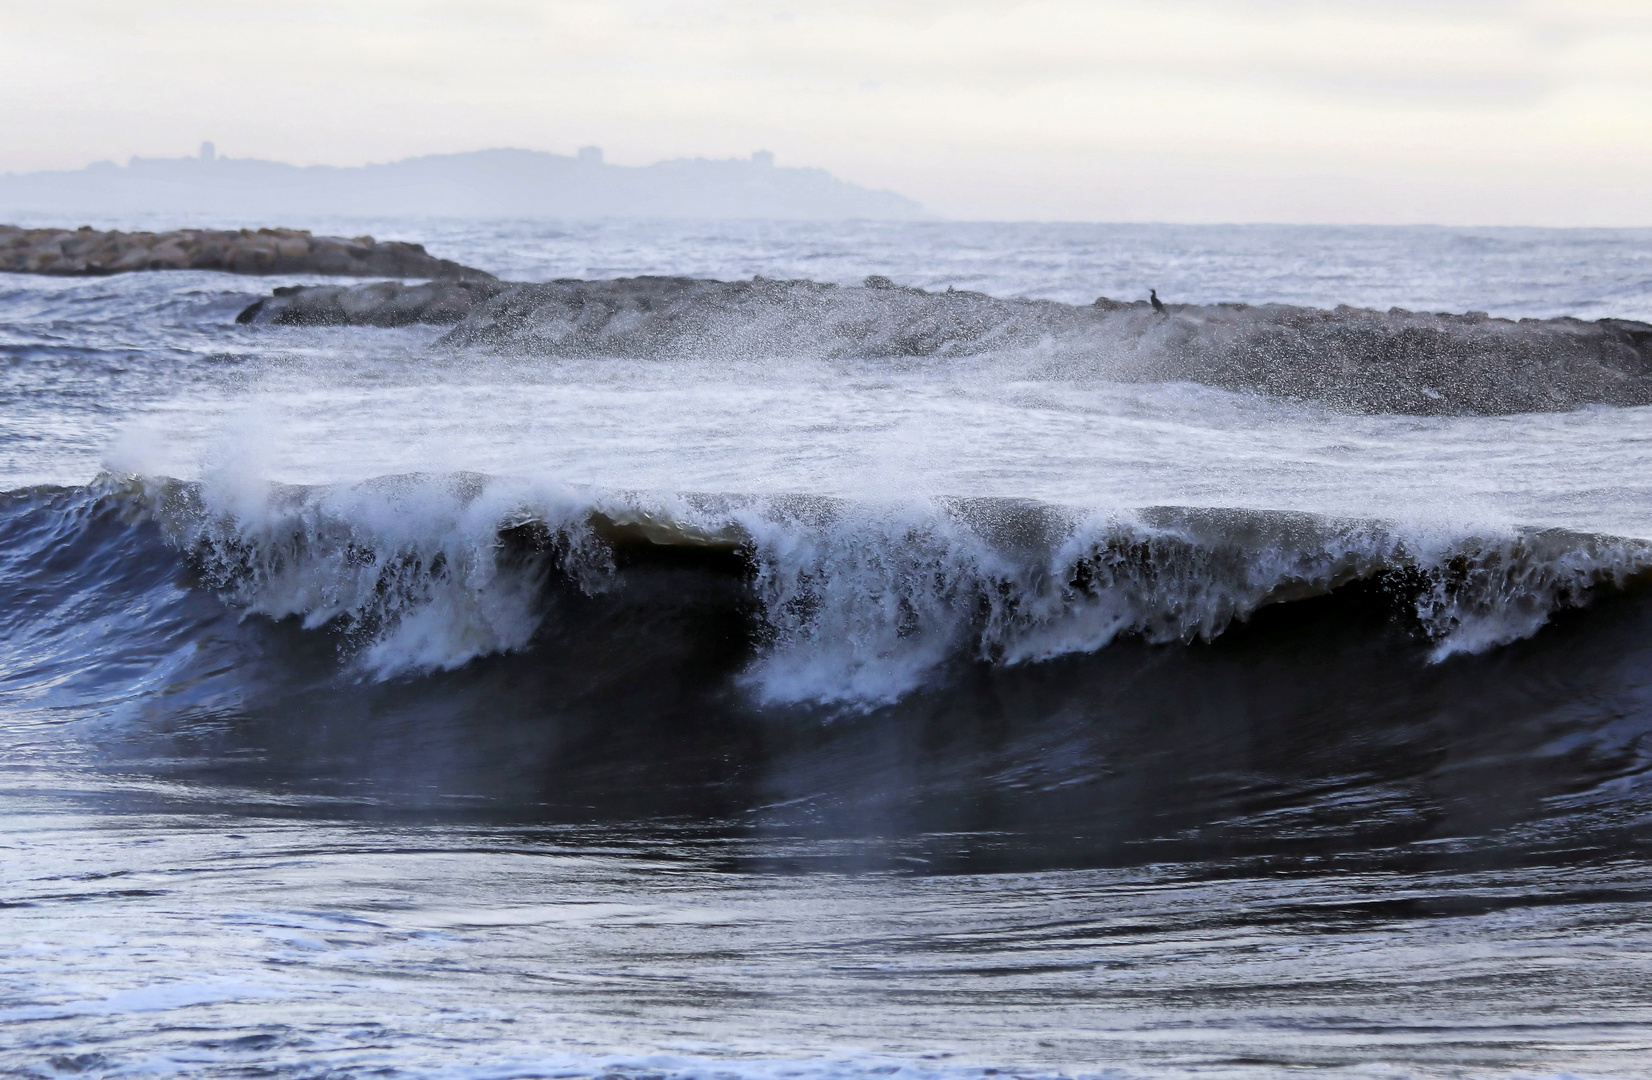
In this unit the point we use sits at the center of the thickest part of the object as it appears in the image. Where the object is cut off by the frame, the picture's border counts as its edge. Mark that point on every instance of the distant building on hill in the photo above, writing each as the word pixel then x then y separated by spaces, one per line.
pixel 485 183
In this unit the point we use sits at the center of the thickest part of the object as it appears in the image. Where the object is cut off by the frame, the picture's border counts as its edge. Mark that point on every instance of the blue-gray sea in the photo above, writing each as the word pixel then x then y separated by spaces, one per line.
pixel 1048 725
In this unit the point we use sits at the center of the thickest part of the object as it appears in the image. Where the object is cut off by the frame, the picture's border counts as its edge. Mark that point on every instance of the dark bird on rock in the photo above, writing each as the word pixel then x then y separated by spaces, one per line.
pixel 1158 305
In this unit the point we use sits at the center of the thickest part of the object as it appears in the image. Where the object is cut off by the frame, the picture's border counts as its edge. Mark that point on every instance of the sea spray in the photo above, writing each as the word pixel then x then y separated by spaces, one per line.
pixel 854 603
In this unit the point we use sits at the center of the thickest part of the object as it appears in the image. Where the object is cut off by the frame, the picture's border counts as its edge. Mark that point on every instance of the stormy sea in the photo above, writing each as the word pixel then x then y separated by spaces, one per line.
pixel 766 651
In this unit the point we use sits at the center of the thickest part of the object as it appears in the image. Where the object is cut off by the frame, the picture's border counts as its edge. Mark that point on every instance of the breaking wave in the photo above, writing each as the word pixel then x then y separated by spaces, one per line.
pixel 840 603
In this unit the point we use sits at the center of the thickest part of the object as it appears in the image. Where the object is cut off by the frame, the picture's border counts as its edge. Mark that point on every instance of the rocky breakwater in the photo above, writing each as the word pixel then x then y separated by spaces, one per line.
pixel 88 252
pixel 1373 361
pixel 381 303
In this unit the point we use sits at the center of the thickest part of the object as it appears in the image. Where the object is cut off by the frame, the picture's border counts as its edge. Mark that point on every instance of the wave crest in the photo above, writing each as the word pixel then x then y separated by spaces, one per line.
pixel 850 603
pixel 409 570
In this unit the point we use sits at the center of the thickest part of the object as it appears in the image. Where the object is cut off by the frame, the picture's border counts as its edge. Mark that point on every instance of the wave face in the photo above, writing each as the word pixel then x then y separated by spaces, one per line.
pixel 845 603
pixel 598 653
pixel 1394 361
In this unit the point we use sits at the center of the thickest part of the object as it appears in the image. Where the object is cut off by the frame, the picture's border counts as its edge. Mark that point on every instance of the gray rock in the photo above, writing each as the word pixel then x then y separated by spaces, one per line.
pixel 382 303
pixel 1369 361
pixel 88 252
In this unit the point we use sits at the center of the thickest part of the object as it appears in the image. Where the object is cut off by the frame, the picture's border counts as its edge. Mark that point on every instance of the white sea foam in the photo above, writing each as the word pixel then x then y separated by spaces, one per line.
pixel 859 603
pixel 407 566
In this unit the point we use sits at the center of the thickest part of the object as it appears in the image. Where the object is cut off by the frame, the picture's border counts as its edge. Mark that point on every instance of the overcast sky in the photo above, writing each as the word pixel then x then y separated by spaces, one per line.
pixel 1450 111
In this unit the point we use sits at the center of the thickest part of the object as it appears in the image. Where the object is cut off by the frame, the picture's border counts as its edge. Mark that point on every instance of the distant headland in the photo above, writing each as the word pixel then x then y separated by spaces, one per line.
pixel 481 184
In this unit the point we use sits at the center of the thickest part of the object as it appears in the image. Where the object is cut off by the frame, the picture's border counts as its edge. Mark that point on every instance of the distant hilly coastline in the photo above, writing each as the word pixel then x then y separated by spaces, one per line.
pixel 481 184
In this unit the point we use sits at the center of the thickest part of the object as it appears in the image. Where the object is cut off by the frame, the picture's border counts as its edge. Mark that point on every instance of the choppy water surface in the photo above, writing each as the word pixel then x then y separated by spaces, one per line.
pixel 983 714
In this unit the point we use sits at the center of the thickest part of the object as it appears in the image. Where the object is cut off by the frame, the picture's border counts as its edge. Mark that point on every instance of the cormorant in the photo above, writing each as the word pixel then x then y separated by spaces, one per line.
pixel 1158 305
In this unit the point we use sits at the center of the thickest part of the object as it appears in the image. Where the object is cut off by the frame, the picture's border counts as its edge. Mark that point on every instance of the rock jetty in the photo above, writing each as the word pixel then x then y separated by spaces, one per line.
pixel 382 303
pixel 1352 358
pixel 86 252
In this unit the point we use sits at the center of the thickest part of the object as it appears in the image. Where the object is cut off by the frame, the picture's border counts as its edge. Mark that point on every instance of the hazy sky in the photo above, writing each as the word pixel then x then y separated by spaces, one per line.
pixel 1454 111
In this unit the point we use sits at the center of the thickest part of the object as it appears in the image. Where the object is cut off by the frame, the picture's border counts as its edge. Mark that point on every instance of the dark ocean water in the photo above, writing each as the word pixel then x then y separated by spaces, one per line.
pixel 368 708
